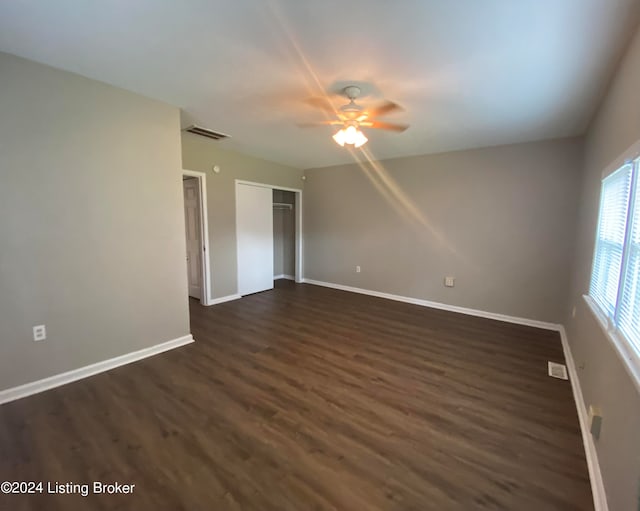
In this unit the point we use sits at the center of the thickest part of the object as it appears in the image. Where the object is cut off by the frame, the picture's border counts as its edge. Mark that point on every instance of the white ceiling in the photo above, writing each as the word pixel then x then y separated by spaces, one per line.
pixel 469 73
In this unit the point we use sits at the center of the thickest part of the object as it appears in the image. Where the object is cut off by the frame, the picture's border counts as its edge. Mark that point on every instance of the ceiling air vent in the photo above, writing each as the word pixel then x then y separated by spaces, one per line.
pixel 204 132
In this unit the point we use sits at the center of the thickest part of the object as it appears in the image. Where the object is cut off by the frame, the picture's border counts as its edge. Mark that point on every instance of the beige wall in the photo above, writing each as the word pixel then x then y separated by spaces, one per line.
pixel 500 220
pixel 603 378
pixel 201 154
pixel 91 222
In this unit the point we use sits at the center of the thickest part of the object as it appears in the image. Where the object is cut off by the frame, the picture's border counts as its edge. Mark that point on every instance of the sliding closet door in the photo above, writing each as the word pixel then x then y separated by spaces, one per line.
pixel 254 225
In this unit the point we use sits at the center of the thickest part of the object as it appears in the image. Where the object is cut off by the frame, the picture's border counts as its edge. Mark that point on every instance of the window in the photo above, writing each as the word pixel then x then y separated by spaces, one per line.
pixel 615 276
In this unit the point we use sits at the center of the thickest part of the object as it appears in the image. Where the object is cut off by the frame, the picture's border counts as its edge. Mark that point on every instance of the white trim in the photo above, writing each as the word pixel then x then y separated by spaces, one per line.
pixel 35 387
pixel 284 276
pixel 204 228
pixel 265 185
pixel 222 299
pixel 442 306
pixel 623 348
pixel 595 476
pixel 299 269
pixel 299 241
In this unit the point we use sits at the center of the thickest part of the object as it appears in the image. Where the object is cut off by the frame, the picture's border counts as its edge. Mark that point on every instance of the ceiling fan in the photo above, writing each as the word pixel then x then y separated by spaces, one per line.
pixel 351 117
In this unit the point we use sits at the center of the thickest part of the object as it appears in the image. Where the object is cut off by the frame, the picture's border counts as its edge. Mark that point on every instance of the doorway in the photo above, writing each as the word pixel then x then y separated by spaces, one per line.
pixel 194 188
pixel 256 252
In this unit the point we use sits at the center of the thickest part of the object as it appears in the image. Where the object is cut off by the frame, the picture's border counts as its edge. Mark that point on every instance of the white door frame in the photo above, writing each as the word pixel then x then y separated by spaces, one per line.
pixel 205 297
pixel 299 241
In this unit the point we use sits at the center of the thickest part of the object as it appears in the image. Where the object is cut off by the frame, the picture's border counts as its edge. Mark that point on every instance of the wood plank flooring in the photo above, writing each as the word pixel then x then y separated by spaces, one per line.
pixel 306 398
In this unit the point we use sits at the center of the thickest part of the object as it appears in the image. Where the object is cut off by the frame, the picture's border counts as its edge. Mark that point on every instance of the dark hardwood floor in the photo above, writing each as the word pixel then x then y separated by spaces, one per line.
pixel 306 398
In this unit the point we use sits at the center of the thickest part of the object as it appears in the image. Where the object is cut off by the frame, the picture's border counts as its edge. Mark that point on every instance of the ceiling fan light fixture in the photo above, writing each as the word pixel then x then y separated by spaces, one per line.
pixel 350 136
pixel 353 116
pixel 360 139
pixel 339 137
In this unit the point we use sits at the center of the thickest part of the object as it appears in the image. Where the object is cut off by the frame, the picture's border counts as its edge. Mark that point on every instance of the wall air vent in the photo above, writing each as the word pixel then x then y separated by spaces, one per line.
pixel 204 132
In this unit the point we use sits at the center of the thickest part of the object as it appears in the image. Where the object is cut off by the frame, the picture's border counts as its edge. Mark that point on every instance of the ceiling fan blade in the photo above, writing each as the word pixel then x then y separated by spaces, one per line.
pixel 384 109
pixel 319 123
pixel 322 103
pixel 389 126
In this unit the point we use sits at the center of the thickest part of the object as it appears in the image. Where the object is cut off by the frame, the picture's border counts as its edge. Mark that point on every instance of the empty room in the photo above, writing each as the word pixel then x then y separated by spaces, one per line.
pixel 283 255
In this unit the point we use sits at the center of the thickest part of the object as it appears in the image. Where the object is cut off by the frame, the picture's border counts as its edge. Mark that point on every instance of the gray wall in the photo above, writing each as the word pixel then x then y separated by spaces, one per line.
pixel 91 222
pixel 603 378
pixel 500 220
pixel 202 154
pixel 278 242
pixel 284 234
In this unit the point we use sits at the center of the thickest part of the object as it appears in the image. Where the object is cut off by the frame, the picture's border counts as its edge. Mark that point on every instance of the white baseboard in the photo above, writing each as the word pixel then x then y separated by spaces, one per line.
pixel 35 387
pixel 222 299
pixel 284 276
pixel 595 476
pixel 442 306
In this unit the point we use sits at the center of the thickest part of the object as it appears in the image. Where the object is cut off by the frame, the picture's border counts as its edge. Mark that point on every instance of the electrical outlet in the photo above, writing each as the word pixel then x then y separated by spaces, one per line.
pixel 595 421
pixel 39 333
pixel 449 281
pixel 357 269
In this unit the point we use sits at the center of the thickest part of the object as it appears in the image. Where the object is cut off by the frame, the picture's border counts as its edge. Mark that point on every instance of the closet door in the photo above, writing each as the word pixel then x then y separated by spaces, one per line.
pixel 254 232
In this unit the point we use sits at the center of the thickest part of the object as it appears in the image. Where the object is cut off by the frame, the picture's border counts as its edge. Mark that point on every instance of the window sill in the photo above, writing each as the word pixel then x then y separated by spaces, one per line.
pixel 630 359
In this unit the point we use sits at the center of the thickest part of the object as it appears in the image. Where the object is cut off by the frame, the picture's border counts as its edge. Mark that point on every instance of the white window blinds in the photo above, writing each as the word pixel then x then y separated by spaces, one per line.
pixel 615 276
pixel 612 226
pixel 628 313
